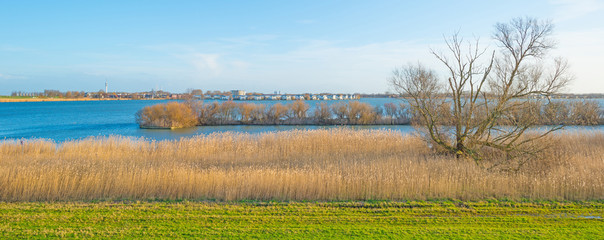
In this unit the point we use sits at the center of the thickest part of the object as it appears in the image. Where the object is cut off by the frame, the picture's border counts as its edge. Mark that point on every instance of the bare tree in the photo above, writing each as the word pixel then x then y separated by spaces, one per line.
pixel 484 90
pixel 276 113
pixel 208 114
pixel 556 113
pixel 360 113
pixel 585 113
pixel 227 112
pixel 322 113
pixel 298 109
pixel 246 111
pixel 391 111
pixel 340 110
pixel 258 113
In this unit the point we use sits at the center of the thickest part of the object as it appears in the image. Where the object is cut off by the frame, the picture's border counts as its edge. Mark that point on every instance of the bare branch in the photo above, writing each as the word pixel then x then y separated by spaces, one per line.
pixel 490 93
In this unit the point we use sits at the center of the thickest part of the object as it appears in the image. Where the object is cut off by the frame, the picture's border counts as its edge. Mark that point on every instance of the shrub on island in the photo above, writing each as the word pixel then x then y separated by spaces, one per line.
pixel 167 115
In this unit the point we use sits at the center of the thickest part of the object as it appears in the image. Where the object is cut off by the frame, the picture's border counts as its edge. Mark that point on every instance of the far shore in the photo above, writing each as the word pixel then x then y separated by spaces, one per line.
pixel 68 99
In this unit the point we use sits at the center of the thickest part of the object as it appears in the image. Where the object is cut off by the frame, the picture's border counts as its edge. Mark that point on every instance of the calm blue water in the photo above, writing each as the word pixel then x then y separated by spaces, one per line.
pixel 60 121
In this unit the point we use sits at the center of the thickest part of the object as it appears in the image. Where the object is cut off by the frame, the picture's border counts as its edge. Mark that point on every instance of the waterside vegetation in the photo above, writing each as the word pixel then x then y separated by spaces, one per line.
pixel 197 113
pixel 325 165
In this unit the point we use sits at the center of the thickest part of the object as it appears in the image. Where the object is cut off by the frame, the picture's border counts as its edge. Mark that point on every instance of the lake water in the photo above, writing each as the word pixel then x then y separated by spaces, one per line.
pixel 61 121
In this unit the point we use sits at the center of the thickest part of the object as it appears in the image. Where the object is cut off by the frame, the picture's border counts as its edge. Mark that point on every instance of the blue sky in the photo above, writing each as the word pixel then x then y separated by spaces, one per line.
pixel 264 46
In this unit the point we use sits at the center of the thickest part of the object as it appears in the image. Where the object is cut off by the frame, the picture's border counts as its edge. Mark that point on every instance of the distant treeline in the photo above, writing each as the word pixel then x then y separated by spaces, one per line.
pixel 195 113
pixel 102 94
pixel 50 94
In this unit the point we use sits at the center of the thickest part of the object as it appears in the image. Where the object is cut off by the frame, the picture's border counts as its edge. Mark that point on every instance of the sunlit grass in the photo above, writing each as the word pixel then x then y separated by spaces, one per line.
pixel 334 220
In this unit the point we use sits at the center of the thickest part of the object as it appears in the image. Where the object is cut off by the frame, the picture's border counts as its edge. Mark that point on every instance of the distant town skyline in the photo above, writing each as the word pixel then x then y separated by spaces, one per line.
pixel 264 46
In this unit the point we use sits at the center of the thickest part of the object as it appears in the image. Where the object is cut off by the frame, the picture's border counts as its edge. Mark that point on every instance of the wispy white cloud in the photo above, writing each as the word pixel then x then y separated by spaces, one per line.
pixel 572 9
pixel 315 65
pixel 319 65
pixel 206 62
pixel 240 64
pixel 299 65
pixel 10 77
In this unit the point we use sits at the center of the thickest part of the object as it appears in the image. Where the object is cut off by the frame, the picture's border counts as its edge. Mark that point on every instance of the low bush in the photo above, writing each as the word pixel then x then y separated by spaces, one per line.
pixel 167 115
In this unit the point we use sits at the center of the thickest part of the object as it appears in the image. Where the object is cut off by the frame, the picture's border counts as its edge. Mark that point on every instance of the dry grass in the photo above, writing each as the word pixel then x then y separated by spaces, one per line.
pixel 296 165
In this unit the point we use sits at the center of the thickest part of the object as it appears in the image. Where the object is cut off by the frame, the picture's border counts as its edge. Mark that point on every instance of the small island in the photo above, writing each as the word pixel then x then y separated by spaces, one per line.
pixel 174 115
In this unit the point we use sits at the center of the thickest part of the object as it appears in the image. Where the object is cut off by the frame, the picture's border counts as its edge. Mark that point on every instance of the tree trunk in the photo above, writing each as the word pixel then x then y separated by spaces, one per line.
pixel 459 149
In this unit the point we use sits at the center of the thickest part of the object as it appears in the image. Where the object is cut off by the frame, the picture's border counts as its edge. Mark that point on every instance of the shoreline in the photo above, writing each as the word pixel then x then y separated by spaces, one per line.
pixel 276 125
pixel 68 99
pixel 314 125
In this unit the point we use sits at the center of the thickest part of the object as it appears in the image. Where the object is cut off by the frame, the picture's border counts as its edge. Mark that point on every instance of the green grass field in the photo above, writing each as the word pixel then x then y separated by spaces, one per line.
pixel 441 219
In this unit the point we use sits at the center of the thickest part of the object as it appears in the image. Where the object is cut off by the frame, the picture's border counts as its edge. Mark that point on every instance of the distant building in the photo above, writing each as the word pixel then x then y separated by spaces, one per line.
pixel 237 92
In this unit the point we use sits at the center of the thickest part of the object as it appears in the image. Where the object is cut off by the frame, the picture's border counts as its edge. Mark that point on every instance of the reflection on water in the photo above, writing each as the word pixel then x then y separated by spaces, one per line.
pixel 60 121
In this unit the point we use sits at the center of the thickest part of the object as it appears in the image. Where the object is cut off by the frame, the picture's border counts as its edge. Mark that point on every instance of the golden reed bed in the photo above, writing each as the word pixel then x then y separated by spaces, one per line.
pixel 295 165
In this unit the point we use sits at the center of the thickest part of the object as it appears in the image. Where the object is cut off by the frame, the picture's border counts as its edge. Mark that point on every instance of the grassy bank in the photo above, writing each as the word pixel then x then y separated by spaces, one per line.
pixel 417 220
pixel 296 165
